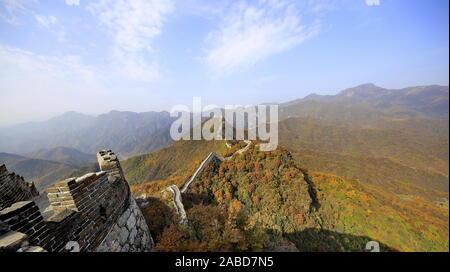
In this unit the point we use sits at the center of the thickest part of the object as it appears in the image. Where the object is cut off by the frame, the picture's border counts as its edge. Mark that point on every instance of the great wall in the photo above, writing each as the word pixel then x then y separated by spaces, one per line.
pixel 94 212
pixel 177 193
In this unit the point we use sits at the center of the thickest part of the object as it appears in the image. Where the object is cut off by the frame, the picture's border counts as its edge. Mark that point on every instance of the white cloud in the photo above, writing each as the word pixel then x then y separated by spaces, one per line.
pixel 73 2
pixel 250 33
pixel 68 68
pixel 133 25
pixel 373 2
pixel 45 21
pixel 49 22
pixel 12 7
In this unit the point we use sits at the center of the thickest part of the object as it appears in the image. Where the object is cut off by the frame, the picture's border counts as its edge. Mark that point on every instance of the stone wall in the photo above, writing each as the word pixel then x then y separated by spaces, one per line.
pixel 176 192
pixel 51 234
pixel 14 188
pixel 129 234
pixel 178 203
pixel 211 156
pixel 94 212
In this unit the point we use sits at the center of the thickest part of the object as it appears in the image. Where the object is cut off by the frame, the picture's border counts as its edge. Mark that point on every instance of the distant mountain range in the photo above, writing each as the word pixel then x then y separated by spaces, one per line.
pixel 65 155
pixel 128 133
pixel 403 132
pixel 41 172
pixel 419 101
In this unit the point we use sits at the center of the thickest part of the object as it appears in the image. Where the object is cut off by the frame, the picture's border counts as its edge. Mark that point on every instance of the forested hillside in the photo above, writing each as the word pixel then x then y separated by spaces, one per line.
pixel 386 157
pixel 263 201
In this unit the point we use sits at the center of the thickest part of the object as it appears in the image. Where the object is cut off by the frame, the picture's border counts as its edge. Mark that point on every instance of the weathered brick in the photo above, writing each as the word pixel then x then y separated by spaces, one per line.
pixel 81 198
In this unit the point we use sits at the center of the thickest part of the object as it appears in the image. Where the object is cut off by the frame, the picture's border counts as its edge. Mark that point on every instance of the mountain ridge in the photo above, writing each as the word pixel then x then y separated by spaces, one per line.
pixel 41 172
pixel 65 155
pixel 416 101
pixel 127 132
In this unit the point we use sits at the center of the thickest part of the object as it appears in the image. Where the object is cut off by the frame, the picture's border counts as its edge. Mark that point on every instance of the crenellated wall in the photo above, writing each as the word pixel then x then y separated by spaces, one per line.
pixel 94 212
pixel 109 162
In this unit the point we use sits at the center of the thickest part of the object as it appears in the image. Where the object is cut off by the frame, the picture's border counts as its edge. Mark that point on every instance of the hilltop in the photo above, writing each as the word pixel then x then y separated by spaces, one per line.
pixel 265 201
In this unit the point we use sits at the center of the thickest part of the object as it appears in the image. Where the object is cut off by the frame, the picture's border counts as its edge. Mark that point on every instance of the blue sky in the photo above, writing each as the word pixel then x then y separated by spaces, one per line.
pixel 141 55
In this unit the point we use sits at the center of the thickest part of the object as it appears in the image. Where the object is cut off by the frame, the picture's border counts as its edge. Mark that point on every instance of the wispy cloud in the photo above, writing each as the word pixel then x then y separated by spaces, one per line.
pixel 73 2
pixel 10 8
pixel 63 68
pixel 373 2
pixel 133 25
pixel 250 33
pixel 45 21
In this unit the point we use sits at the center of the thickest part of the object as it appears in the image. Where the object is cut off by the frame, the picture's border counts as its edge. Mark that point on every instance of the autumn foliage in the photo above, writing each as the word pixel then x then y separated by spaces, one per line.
pixel 264 201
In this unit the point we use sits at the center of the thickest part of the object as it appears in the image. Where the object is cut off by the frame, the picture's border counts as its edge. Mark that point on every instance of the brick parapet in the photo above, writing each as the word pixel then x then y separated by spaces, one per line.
pixel 85 210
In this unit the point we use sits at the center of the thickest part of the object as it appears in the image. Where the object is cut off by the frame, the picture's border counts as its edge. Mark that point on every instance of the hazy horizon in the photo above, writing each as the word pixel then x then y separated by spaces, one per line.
pixel 189 104
pixel 96 56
